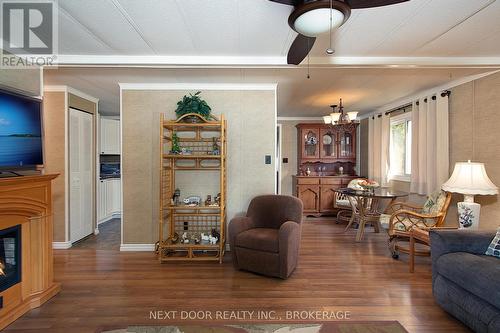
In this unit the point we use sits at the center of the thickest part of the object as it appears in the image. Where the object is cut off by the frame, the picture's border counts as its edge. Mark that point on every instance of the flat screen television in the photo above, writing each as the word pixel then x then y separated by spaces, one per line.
pixel 20 131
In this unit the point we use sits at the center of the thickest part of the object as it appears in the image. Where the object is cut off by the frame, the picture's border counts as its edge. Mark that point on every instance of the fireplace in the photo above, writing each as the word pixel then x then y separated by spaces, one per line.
pixel 10 257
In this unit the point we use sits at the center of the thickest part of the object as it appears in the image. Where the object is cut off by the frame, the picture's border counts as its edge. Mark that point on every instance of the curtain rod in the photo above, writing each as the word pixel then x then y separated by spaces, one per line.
pixel 443 94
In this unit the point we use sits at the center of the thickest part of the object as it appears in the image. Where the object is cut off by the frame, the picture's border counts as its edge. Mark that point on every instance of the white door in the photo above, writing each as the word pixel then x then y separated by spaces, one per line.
pixel 80 165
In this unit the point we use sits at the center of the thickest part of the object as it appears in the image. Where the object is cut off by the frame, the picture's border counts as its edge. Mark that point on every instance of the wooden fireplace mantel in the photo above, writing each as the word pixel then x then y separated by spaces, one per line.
pixel 27 201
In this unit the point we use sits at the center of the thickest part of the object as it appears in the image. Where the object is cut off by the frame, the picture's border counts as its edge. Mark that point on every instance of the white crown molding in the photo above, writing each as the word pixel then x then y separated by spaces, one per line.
pixel 427 92
pixel 200 86
pixel 61 245
pixel 71 90
pixel 137 247
pixel 299 118
pixel 275 61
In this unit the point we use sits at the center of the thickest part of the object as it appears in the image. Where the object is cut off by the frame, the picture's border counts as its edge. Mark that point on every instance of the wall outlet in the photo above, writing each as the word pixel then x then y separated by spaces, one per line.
pixel 268 159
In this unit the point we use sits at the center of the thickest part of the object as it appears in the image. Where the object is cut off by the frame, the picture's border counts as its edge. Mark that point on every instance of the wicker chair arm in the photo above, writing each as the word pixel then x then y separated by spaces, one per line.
pixel 410 219
pixel 398 206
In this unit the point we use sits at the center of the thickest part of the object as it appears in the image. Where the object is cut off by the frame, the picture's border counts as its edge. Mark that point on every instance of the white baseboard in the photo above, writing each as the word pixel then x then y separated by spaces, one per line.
pixel 109 218
pixel 137 247
pixel 61 245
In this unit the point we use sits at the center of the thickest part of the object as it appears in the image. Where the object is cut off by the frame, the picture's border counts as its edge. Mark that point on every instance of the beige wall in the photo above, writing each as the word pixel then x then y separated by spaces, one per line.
pixel 251 118
pixel 55 131
pixel 54 106
pixel 26 81
pixel 474 125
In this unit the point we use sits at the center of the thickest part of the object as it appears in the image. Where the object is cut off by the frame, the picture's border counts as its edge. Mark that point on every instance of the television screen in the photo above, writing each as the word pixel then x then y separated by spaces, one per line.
pixel 20 131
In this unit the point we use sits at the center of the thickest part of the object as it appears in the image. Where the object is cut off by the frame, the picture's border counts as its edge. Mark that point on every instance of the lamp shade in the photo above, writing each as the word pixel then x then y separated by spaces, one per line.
pixel 470 179
pixel 335 117
pixel 352 115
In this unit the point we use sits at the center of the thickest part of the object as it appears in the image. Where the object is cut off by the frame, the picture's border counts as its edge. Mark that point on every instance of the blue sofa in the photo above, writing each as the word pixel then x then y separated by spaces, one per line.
pixel 465 282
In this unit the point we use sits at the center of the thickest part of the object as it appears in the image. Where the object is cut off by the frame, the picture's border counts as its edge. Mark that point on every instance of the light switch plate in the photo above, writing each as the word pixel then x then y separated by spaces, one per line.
pixel 268 159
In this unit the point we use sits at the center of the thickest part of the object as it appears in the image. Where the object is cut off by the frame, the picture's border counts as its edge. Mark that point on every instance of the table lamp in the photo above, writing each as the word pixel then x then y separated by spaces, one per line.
pixel 469 179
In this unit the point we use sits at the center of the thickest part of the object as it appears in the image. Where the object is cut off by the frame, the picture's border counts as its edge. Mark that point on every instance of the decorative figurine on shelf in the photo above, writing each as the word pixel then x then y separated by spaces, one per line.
pixel 176 149
pixel 192 201
pixel 215 234
pixel 196 239
pixel 341 170
pixel 212 240
pixel 173 239
pixel 176 197
pixel 185 238
pixel 308 171
pixel 217 199
pixel 215 146
pixel 208 202
pixel 205 238
pixel 186 151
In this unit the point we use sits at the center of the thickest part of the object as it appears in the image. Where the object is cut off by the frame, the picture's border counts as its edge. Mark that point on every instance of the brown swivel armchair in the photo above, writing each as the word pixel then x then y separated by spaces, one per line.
pixel 267 239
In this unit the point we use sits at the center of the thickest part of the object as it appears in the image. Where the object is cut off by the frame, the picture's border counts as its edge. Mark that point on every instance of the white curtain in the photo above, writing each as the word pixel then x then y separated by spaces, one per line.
pixel 378 149
pixel 430 144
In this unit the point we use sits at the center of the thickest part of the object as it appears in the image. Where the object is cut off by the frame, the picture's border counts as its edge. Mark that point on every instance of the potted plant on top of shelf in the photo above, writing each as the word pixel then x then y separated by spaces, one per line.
pixel 191 106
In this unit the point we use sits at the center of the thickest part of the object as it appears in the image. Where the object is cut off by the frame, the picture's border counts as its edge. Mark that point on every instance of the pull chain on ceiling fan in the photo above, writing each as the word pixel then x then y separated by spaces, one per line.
pixel 330 50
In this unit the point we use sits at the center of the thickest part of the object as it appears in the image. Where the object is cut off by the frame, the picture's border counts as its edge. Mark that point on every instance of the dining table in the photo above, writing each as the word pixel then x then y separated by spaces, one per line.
pixel 365 205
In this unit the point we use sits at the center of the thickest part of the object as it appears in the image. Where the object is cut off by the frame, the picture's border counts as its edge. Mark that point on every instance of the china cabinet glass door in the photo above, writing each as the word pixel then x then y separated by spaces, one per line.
pixel 328 144
pixel 346 144
pixel 310 143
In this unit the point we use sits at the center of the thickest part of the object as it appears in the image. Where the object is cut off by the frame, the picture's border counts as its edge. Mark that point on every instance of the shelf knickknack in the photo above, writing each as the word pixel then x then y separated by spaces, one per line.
pixel 193 109
pixel 197 147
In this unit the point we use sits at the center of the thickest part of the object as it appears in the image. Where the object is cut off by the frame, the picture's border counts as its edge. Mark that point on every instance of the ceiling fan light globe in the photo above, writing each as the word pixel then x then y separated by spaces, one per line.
pixel 317 21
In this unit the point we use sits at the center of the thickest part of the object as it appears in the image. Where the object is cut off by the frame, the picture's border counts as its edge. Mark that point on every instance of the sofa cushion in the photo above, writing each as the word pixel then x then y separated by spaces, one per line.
pixel 478 274
pixel 262 239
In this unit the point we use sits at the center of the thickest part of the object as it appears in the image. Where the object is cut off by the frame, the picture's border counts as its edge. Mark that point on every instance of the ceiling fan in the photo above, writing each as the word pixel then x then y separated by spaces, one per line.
pixel 310 18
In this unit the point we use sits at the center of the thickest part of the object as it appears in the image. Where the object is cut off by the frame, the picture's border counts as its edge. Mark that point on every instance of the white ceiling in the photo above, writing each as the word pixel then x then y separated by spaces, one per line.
pixel 259 29
pixel 362 89
pixel 246 41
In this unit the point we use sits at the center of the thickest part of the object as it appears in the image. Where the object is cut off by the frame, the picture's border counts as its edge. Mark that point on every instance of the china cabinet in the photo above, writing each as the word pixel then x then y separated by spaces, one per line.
pixel 326 161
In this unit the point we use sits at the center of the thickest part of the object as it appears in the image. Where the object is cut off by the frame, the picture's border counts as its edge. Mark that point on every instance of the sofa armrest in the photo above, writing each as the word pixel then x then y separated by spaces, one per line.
pixel 289 244
pixel 448 241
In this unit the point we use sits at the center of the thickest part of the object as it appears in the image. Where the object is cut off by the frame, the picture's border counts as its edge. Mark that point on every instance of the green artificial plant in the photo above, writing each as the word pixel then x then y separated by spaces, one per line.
pixel 193 104
pixel 176 149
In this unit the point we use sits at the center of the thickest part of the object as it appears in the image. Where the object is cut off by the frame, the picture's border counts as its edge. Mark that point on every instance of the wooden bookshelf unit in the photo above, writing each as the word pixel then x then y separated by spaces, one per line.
pixel 199 155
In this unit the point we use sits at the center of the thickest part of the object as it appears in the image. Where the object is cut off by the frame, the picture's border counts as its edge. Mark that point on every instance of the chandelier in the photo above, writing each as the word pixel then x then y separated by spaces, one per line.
pixel 340 117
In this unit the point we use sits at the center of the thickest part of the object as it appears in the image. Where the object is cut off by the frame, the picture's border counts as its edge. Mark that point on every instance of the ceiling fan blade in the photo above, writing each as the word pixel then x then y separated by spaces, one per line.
pixel 359 4
pixel 288 2
pixel 300 48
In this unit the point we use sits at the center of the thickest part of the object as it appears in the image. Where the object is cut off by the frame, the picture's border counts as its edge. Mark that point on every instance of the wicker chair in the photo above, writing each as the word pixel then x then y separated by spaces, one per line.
pixel 342 203
pixel 406 216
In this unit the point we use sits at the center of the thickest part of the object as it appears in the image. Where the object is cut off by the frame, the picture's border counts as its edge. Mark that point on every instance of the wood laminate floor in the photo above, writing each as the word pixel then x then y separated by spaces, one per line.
pixel 107 239
pixel 103 288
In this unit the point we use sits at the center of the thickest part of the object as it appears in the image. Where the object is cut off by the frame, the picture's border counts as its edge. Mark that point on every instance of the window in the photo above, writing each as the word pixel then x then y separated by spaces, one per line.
pixel 400 147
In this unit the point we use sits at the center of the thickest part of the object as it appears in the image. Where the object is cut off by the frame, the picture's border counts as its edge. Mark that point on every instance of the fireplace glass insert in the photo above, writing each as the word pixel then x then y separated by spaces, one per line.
pixel 10 257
